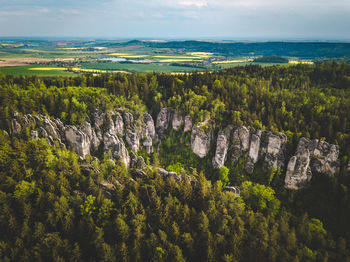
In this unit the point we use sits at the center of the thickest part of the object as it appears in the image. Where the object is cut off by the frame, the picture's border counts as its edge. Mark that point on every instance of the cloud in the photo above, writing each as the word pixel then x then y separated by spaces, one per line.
pixel 193 3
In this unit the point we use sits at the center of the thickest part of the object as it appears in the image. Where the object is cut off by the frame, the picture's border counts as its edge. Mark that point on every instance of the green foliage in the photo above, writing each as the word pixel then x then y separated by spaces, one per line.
pixel 88 207
pixel 223 175
pixel 260 197
pixel 24 189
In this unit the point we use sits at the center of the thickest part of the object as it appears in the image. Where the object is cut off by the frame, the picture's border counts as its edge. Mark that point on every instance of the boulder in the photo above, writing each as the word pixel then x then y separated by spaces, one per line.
pixel 200 141
pixel 222 144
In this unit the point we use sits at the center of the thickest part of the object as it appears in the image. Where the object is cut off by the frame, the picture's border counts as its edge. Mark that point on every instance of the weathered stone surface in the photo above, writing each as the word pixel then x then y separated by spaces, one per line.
pixel 188 123
pixel 162 171
pixel 149 125
pixel 90 132
pixel 311 156
pixel 77 140
pixel 148 133
pixel 273 149
pixel 132 132
pixel 325 158
pixel 298 173
pixel 116 146
pixel 115 124
pixel 240 144
pixel 222 144
pixel 177 121
pixel 253 154
pixel 50 128
pixel 200 141
pixel 132 138
pixel 231 189
pixel 164 118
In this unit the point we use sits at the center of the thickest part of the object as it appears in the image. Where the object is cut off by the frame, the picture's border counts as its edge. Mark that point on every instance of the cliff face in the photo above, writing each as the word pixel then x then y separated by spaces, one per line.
pixel 123 134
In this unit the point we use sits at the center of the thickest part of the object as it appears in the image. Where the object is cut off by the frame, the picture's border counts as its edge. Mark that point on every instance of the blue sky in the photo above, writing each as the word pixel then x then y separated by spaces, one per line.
pixel 228 19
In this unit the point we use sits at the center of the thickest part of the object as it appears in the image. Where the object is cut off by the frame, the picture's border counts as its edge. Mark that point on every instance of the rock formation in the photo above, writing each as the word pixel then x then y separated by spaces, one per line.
pixel 109 130
pixel 222 143
pixel 253 154
pixel 177 121
pixel 311 156
pixel 200 141
pixel 164 118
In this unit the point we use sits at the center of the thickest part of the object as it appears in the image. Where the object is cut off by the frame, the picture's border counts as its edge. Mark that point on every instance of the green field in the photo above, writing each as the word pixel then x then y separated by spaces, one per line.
pixel 25 71
pixel 134 67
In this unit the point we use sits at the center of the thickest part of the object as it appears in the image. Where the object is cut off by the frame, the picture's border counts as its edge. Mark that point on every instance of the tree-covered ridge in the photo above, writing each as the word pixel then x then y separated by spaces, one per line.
pixel 59 207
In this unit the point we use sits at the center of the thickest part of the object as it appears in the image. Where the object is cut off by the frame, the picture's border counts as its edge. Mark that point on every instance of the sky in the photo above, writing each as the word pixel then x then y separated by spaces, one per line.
pixel 178 19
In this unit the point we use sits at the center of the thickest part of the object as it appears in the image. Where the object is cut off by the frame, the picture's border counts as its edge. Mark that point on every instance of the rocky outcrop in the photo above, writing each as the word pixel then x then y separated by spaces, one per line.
pixel 273 150
pixel 311 156
pixel 253 153
pixel 240 143
pixel 77 141
pixel 116 146
pixel 115 124
pixel 233 189
pixel 188 124
pixel 200 141
pixel 177 121
pixel 298 173
pixel 91 134
pixel 149 133
pixel 164 118
pixel 222 143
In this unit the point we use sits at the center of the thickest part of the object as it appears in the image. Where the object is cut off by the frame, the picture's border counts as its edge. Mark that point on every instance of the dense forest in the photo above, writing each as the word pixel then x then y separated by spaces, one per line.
pixel 56 206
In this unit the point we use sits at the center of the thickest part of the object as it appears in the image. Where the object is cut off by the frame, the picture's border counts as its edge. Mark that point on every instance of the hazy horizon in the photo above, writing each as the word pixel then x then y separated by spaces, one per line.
pixel 177 19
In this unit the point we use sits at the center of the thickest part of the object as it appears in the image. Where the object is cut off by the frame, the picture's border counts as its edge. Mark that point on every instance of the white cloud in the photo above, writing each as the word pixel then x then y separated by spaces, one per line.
pixel 193 3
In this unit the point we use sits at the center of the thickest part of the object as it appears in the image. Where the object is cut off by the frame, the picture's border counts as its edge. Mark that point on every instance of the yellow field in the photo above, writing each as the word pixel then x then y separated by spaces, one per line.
pixel 301 62
pixel 233 61
pixel 200 54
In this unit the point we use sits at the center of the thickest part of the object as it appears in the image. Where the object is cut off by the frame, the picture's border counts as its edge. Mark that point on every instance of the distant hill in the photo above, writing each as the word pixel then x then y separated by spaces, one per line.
pixel 306 50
